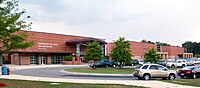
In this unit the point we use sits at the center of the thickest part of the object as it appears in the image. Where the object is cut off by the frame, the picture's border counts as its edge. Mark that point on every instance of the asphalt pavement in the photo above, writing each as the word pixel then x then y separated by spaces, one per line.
pixel 54 73
pixel 57 72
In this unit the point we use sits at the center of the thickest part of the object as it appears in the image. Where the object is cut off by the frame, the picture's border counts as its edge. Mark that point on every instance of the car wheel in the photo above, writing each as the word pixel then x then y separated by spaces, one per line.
pixel 114 66
pixel 173 66
pixel 140 78
pixel 146 77
pixel 194 76
pixel 182 77
pixel 164 78
pixel 172 77
pixel 183 65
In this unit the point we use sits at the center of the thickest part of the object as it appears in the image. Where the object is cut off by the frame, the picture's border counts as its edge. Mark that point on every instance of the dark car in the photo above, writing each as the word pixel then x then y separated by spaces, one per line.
pixel 101 64
pixel 190 72
pixel 135 62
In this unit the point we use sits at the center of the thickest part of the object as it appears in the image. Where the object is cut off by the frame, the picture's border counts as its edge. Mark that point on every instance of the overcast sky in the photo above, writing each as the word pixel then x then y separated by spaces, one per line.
pixel 171 21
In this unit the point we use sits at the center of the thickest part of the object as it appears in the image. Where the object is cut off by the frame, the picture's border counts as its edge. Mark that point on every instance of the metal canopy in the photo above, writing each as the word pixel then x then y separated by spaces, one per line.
pixel 84 41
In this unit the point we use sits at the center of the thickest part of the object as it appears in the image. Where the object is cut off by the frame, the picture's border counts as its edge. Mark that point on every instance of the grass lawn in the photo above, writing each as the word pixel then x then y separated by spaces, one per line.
pixel 103 70
pixel 174 68
pixel 189 82
pixel 37 84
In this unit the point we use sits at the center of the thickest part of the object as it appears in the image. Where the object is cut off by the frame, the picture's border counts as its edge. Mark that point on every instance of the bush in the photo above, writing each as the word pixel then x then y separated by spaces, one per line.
pixel 68 58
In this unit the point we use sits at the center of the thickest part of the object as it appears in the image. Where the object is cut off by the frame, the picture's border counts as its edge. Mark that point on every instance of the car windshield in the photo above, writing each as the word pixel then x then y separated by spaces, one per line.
pixel 188 68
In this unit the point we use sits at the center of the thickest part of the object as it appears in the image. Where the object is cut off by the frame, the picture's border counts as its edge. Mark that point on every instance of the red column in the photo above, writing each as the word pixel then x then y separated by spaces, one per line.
pixel 16 58
pixel 73 61
pixel 78 60
pixel 48 59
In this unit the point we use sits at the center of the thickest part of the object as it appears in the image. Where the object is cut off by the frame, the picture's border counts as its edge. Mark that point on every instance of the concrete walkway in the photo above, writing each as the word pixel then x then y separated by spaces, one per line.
pixel 152 84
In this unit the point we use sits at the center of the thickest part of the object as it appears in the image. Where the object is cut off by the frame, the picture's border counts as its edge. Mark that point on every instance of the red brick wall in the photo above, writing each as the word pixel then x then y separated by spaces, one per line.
pixel 173 51
pixel 109 47
pixel 49 42
pixel 138 49
pixel 25 59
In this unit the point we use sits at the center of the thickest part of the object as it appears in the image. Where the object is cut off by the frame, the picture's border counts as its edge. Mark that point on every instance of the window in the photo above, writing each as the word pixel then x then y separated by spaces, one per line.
pixel 33 59
pixel 57 58
pixel 179 61
pixel 153 67
pixel 145 67
pixel 160 67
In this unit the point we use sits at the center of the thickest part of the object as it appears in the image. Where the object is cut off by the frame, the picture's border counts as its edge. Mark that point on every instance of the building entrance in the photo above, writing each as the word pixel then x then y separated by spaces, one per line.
pixel 43 59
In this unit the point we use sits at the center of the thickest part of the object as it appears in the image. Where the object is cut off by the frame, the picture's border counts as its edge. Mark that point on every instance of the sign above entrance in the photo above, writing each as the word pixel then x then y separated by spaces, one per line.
pixel 42 45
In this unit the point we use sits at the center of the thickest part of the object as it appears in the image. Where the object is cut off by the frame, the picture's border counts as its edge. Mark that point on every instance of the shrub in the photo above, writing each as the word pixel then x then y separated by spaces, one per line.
pixel 68 58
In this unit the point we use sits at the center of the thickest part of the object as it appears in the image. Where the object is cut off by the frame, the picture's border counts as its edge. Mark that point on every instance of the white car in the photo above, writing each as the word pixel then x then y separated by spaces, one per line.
pixel 141 62
pixel 197 61
pixel 177 63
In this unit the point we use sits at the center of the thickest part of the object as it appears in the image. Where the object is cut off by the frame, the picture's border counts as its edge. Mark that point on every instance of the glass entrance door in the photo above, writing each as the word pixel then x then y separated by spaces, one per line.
pixel 43 59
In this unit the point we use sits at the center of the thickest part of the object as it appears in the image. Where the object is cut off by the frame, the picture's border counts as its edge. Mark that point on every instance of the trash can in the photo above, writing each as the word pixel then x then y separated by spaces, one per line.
pixel 4 70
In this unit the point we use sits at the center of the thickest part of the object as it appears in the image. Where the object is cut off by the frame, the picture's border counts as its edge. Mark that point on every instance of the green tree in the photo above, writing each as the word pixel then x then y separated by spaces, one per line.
pixel 145 41
pixel 151 56
pixel 162 44
pixel 192 47
pixel 121 52
pixel 197 55
pixel 93 52
pixel 10 24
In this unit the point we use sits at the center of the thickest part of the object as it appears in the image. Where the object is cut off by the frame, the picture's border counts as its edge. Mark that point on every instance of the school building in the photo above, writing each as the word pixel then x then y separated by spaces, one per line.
pixel 50 48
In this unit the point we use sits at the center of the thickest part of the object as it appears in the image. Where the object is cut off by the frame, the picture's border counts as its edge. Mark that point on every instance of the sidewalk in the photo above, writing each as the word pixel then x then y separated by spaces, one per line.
pixel 152 84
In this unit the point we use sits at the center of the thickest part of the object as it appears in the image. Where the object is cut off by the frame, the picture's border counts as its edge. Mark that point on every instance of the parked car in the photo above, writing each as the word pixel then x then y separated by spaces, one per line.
pixel 141 62
pixel 135 62
pixel 101 64
pixel 197 61
pixel 114 64
pixel 176 63
pixel 190 71
pixel 190 63
pixel 163 62
pixel 148 71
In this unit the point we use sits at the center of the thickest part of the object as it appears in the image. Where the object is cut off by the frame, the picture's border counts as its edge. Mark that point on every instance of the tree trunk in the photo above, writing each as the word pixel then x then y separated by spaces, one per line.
pixel 120 64
pixel 94 63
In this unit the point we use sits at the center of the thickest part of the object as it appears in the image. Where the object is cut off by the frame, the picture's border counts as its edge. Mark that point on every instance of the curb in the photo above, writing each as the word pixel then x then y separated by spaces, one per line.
pixel 95 74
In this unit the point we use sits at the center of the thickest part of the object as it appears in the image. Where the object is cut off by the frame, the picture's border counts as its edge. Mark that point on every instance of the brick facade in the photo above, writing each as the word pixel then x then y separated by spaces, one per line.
pixel 47 45
pixel 138 50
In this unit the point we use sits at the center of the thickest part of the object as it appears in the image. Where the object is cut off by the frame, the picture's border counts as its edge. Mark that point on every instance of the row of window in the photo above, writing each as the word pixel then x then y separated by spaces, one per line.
pixel 33 59
pixel 155 67
pixel 55 59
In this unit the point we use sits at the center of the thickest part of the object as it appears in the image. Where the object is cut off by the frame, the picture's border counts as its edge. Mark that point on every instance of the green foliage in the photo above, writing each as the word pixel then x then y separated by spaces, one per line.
pixel 192 47
pixel 10 24
pixel 145 41
pixel 197 55
pixel 159 43
pixel 68 58
pixel 121 52
pixel 93 52
pixel 151 56
pixel 162 44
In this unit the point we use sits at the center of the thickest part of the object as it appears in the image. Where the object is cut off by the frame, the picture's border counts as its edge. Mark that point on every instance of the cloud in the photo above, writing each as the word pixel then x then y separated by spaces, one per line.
pixel 172 21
